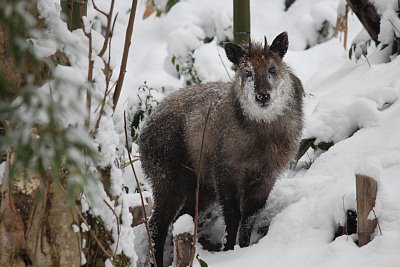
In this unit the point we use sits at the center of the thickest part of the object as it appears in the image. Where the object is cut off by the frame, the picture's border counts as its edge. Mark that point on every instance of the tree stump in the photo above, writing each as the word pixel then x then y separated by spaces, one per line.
pixel 182 249
pixel 366 188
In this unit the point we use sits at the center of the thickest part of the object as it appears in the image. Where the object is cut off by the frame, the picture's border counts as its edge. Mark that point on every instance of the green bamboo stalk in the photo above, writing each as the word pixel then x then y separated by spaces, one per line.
pixel 241 21
pixel 66 7
pixel 79 10
pixel 74 10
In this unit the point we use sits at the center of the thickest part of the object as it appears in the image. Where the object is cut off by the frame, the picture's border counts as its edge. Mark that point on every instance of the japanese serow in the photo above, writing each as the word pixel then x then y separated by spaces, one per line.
pixel 247 130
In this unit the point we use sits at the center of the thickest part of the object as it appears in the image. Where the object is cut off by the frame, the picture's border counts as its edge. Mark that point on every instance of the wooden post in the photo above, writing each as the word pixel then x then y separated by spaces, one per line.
pixel 182 249
pixel 366 188
pixel 137 212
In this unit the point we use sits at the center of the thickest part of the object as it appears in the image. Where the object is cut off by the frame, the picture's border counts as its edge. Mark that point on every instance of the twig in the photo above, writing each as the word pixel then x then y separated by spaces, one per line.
pixel 89 77
pixel 196 211
pixel 124 61
pixel 187 167
pixel 377 221
pixel 369 64
pixel 126 164
pixel 394 26
pixel 108 32
pixel 98 9
pixel 111 35
pixel 107 73
pixel 102 105
pixel 93 235
pixel 146 223
pixel 223 64
pixel 118 226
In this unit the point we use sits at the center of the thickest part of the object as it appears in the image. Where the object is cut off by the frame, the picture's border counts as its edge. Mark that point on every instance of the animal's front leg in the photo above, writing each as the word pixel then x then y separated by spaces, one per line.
pixel 231 211
pixel 253 200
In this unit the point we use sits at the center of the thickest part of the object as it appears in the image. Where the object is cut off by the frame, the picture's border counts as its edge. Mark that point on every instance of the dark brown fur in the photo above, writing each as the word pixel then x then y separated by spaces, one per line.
pixel 247 143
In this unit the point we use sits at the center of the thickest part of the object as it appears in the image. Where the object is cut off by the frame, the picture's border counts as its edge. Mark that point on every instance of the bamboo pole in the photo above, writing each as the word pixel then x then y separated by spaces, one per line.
pixel 79 10
pixel 366 188
pixel 241 21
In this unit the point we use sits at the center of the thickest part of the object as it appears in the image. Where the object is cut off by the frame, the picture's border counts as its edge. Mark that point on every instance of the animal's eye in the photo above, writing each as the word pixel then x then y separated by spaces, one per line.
pixel 249 73
pixel 272 70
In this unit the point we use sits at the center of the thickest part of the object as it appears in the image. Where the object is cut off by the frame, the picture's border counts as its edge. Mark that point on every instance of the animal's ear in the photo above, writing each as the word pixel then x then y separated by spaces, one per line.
pixel 280 44
pixel 234 52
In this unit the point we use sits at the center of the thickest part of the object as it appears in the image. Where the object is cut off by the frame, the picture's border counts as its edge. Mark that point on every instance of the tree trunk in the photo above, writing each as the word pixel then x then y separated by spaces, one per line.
pixel 368 17
pixel 35 221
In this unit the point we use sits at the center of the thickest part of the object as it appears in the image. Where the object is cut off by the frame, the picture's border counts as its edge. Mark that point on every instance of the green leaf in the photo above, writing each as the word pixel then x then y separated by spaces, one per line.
pixel 202 263
pixel 170 4
pixel 305 144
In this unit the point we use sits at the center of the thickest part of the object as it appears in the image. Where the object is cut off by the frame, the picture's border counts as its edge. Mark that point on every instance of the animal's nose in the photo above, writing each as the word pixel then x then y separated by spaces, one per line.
pixel 262 98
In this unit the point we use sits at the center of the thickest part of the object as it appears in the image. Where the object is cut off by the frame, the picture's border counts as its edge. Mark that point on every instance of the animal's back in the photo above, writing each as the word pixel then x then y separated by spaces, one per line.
pixel 174 131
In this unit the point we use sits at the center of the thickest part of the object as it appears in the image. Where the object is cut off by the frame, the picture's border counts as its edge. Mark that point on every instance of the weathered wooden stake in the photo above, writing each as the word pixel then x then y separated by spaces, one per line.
pixel 182 249
pixel 366 188
pixel 137 212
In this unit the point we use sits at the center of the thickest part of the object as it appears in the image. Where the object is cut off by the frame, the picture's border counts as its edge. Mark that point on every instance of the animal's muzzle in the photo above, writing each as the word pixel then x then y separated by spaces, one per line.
pixel 263 98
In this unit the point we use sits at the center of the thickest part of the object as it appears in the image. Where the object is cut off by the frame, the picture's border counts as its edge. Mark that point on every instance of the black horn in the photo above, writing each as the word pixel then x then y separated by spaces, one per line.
pixel 266 47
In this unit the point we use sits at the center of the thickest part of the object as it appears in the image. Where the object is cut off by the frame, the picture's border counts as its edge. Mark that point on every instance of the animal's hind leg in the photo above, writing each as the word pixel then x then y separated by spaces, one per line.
pixel 166 205
pixel 159 228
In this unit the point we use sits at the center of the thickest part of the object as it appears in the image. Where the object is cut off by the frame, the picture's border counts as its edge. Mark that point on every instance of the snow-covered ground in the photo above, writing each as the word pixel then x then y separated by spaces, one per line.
pixel 353 104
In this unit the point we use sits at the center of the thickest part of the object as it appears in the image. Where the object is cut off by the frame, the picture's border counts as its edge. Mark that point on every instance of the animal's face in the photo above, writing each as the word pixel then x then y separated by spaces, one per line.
pixel 263 82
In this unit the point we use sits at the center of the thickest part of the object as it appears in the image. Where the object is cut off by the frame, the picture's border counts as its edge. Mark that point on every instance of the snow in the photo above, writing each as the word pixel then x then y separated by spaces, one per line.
pixel 370 167
pixel 2 168
pixel 75 228
pixel 184 224
pixel 352 104
pixel 84 227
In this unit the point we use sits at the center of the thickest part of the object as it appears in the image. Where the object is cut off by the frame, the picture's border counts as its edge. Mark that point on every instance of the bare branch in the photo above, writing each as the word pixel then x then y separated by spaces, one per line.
pixel 107 73
pixel 146 223
pixel 90 75
pixel 108 32
pixel 124 61
pixel 196 211
pixel 98 9
pixel 118 225
pixel 94 235
pixel 223 64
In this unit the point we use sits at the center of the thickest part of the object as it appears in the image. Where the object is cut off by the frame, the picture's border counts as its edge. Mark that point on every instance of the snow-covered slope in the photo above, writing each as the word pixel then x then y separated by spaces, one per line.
pixel 309 206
